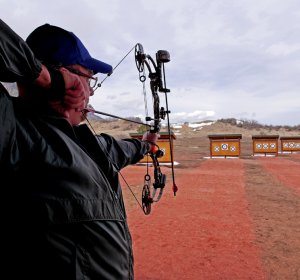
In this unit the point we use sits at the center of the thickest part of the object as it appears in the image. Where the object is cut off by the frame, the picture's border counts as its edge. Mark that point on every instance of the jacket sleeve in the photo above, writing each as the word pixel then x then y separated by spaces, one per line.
pixel 7 126
pixel 17 61
pixel 123 152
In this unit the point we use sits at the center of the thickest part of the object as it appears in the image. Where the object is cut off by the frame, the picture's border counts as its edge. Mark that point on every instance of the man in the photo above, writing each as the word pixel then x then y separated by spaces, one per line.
pixel 63 215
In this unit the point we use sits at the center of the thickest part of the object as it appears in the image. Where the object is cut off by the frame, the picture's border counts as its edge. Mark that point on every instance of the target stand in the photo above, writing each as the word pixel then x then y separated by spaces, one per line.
pixel 225 145
pixel 265 145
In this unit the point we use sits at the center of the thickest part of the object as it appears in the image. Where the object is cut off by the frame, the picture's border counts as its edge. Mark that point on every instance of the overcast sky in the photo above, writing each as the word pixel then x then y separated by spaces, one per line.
pixel 229 58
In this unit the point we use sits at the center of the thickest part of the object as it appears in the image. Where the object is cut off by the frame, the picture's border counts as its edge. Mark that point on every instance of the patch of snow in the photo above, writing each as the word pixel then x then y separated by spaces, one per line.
pixel 177 126
pixel 198 125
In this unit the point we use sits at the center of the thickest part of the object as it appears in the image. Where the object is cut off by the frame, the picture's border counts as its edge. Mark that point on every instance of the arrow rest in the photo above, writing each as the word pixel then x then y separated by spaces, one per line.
pixel 162 113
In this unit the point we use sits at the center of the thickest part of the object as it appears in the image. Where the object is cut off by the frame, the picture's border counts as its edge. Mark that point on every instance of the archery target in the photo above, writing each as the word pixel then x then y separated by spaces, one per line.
pixel 224 146
pixel 217 149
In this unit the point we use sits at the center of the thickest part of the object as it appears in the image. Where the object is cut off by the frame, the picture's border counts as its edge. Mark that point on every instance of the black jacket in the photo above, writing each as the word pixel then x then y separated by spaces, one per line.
pixel 55 174
pixel 17 61
pixel 70 174
pixel 60 188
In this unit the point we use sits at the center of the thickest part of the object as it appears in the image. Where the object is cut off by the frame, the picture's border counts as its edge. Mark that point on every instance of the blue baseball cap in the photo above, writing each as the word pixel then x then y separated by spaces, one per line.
pixel 56 46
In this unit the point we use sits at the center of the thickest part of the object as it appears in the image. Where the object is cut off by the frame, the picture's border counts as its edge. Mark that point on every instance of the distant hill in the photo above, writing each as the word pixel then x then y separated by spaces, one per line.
pixel 122 128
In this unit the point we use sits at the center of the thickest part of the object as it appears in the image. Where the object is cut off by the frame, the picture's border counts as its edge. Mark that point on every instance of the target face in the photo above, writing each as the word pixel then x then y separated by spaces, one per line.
pixel 224 147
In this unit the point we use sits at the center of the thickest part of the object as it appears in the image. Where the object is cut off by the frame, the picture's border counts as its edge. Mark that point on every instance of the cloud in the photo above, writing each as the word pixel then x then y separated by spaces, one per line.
pixel 283 49
pixel 233 58
pixel 195 116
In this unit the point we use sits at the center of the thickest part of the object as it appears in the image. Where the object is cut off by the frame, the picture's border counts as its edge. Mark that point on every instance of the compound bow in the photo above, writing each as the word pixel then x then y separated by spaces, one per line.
pixel 157 84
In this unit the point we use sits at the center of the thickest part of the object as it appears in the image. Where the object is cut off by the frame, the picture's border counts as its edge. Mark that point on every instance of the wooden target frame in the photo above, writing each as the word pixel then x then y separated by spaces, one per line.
pixel 265 144
pixel 290 144
pixel 225 145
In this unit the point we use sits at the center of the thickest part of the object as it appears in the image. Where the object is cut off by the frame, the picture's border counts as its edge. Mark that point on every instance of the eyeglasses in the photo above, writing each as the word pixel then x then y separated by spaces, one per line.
pixel 93 81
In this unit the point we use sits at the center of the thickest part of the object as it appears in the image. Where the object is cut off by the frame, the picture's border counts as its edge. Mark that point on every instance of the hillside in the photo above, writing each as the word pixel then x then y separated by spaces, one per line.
pixel 194 137
pixel 121 128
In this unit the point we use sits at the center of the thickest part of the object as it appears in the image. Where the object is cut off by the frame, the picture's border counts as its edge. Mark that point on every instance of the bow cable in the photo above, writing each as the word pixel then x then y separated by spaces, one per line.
pixel 100 84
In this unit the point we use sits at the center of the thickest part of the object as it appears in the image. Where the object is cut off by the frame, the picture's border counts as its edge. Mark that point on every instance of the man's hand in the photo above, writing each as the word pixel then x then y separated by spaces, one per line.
pixel 74 97
pixel 71 93
pixel 62 85
pixel 151 138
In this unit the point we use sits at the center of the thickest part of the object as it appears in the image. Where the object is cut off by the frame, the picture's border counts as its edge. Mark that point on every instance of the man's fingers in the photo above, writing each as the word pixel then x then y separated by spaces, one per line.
pixel 74 90
pixel 151 137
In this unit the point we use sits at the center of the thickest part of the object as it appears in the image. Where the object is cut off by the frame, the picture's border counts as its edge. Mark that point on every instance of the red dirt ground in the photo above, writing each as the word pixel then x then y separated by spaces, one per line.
pixel 231 219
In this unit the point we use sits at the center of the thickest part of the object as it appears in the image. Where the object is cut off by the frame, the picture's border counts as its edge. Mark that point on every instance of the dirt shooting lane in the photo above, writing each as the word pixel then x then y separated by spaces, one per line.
pixel 286 170
pixel 206 232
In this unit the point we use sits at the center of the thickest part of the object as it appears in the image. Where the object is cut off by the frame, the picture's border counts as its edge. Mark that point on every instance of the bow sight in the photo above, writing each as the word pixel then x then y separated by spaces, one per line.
pixel 157 80
pixel 155 75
